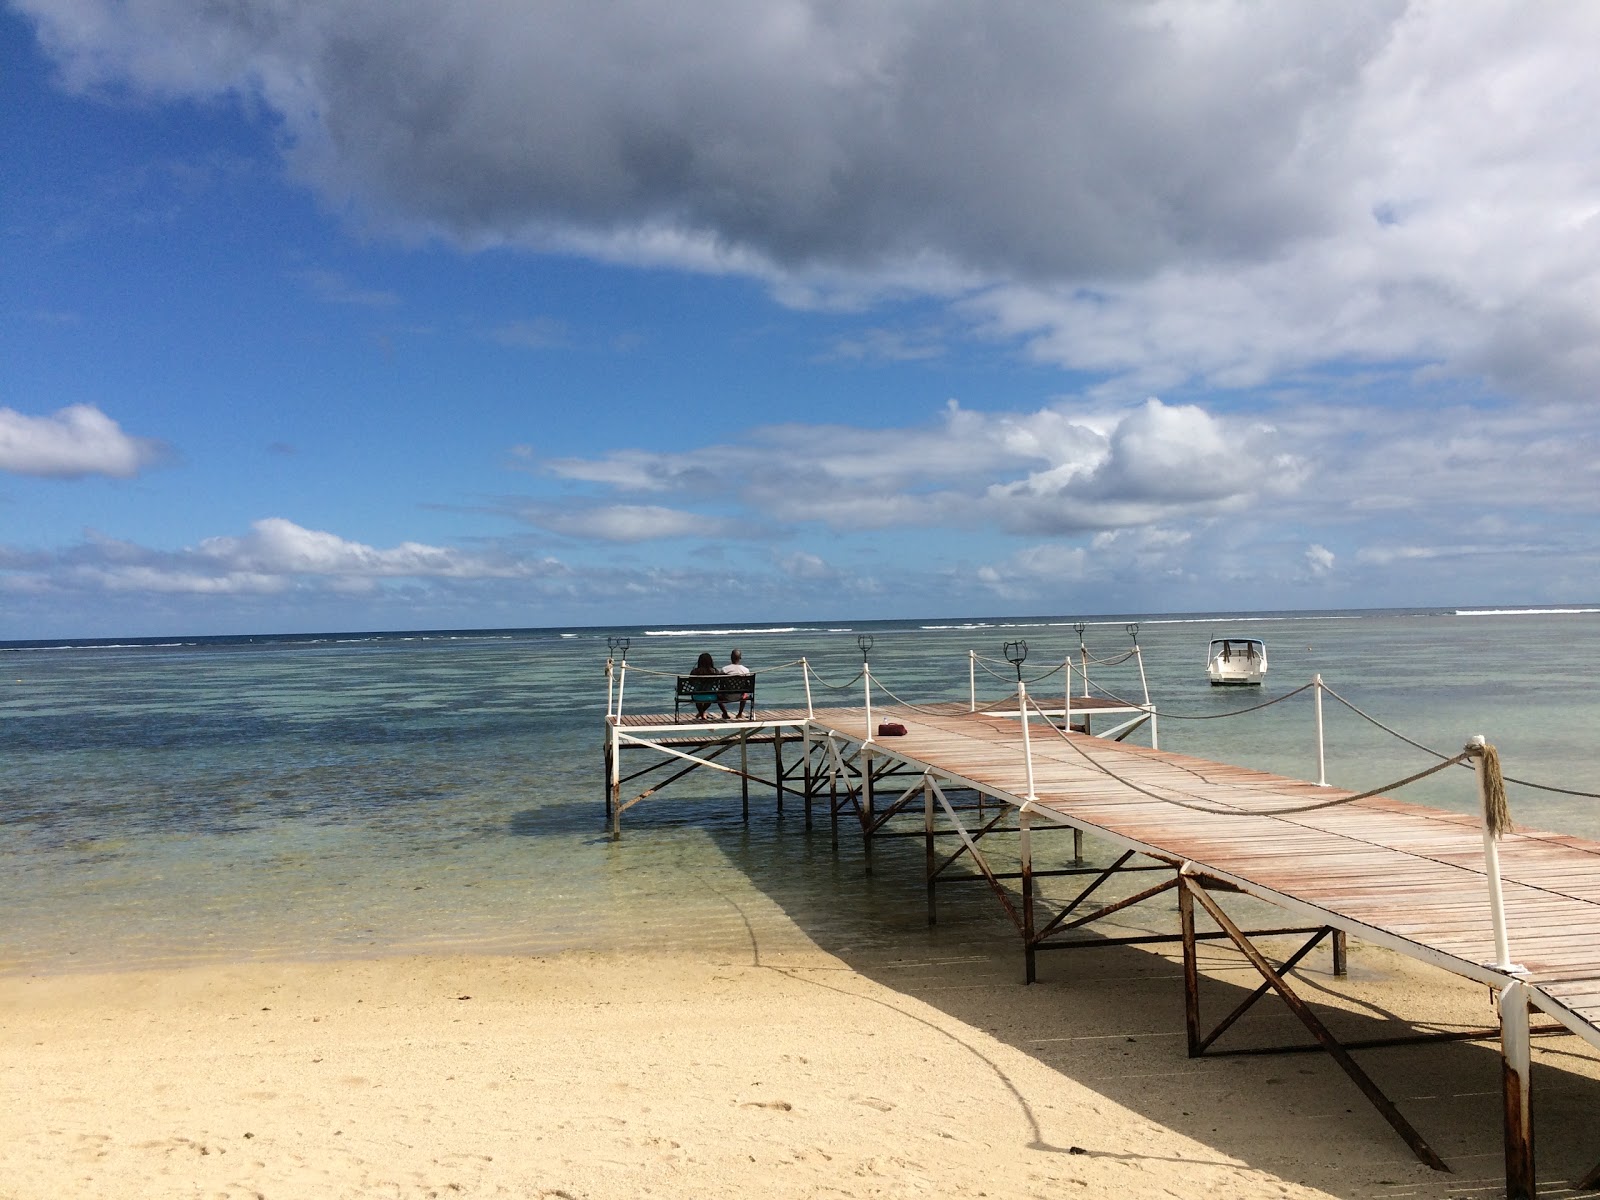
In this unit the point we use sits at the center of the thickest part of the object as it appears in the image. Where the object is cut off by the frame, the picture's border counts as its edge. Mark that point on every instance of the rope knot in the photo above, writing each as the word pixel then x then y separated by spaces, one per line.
pixel 1496 810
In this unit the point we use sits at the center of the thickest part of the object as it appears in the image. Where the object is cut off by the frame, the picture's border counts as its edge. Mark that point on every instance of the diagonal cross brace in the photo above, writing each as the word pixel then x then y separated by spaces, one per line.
pixel 977 857
pixel 1309 1019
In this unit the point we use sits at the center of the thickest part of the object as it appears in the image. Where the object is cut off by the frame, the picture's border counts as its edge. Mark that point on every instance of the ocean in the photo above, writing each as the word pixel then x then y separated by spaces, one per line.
pixel 180 800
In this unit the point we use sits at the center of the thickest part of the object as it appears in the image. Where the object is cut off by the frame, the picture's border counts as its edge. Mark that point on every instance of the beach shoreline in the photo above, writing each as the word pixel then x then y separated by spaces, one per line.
pixel 728 1074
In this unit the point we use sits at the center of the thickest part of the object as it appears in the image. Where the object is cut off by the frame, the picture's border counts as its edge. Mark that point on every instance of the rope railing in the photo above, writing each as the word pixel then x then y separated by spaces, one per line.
pixel 1167 714
pixel 1079 749
pixel 838 687
pixel 1395 733
pixel 1009 674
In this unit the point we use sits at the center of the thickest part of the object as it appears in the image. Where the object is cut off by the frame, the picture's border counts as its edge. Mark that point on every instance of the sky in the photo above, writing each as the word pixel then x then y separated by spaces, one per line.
pixel 404 314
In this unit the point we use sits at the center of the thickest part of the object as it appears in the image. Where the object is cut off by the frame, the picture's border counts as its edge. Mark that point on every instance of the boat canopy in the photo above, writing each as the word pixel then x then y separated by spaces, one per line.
pixel 1229 646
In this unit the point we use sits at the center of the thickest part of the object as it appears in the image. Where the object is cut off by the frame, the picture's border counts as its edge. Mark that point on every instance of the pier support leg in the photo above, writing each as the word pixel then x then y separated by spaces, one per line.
pixel 1025 850
pixel 606 754
pixel 866 806
pixel 777 763
pixel 808 776
pixel 1341 953
pixel 614 784
pixel 1517 1085
pixel 744 773
pixel 1318 1030
pixel 1077 847
pixel 833 795
pixel 929 853
pixel 1191 967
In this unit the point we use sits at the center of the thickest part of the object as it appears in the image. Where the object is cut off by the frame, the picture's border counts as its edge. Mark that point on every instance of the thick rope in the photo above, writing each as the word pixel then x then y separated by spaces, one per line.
pixel 1178 716
pixel 1010 672
pixel 926 711
pixel 1251 812
pixel 1496 812
pixel 1527 783
pixel 838 687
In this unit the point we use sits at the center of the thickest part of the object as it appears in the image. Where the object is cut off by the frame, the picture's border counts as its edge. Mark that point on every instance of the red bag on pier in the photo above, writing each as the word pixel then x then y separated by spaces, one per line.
pixel 891 729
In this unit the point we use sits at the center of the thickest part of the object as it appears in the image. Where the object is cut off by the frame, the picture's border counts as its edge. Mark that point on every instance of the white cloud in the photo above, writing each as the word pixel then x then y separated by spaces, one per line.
pixel 1060 470
pixel 628 522
pixel 1165 191
pixel 279 548
pixel 75 441
pixel 1319 560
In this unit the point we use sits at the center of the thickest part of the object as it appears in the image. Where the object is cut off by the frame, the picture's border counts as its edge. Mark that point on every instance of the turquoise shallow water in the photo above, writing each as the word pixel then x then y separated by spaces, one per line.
pixel 300 797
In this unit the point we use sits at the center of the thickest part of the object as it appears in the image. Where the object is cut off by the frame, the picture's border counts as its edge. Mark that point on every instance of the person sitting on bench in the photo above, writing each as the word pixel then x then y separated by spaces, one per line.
pixel 736 667
pixel 706 665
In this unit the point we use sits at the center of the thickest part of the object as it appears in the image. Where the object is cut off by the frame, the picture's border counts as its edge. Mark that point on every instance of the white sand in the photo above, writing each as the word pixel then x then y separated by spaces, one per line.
pixel 593 1078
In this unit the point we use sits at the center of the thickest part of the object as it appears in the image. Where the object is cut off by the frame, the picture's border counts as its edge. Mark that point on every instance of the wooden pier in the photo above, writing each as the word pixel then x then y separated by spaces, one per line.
pixel 1408 877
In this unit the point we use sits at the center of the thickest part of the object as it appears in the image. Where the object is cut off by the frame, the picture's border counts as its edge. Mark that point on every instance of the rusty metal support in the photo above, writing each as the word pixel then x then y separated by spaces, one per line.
pixel 1591 1181
pixel 1104 875
pixel 1191 969
pixel 807 775
pixel 1341 953
pixel 606 752
pixel 978 860
pixel 744 773
pixel 1517 1091
pixel 1025 851
pixel 928 852
pixel 1118 906
pixel 777 764
pixel 864 808
pixel 969 840
pixel 1309 1019
pixel 1249 1001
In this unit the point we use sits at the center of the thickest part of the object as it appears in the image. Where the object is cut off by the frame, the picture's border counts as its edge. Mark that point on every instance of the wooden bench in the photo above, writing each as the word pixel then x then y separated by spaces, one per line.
pixel 721 687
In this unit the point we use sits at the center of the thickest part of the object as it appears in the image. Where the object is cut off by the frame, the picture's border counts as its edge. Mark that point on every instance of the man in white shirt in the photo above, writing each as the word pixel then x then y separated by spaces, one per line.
pixel 736 667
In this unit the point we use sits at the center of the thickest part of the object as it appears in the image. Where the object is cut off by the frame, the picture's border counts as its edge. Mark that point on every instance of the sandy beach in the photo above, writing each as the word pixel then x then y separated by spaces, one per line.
pixel 798 1074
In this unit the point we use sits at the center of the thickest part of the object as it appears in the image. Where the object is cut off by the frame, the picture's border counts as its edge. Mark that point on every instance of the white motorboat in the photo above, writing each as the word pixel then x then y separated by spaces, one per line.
pixel 1236 662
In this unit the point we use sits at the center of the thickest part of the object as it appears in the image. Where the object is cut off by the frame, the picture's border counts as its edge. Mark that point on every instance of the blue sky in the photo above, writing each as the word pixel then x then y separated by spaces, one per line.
pixel 367 314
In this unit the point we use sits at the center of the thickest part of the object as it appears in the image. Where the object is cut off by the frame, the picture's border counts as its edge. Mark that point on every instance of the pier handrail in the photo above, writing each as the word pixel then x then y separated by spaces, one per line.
pixel 1077 746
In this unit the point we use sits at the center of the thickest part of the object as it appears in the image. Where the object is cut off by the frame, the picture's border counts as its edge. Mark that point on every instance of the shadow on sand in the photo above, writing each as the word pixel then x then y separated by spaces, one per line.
pixel 1112 1017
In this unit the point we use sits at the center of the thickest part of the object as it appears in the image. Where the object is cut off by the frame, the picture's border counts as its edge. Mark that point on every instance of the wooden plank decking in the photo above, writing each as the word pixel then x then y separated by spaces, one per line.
pixel 1404 875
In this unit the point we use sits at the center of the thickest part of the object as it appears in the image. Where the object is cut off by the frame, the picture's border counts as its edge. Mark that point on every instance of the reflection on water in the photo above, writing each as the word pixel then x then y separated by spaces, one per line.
pixel 387 795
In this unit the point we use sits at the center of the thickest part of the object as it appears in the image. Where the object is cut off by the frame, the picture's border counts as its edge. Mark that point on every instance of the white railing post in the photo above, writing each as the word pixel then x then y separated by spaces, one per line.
pixel 1322 753
pixel 1143 682
pixel 1491 863
pixel 611 681
pixel 805 673
pixel 622 680
pixel 1027 745
pixel 866 676
pixel 1066 698
pixel 1083 653
pixel 972 681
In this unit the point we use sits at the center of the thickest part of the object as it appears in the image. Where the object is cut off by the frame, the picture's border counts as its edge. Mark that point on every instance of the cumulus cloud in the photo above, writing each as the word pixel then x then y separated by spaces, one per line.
pixel 75 441
pixel 1061 471
pixel 1162 191
pixel 1319 560
pixel 274 557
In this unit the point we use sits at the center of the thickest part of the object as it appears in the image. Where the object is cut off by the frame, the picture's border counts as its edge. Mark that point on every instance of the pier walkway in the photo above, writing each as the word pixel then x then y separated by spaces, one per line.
pixel 1418 880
